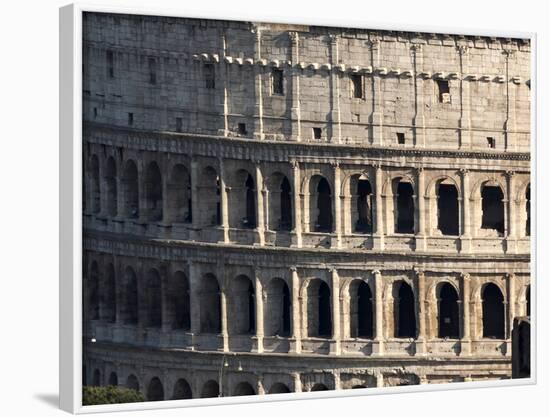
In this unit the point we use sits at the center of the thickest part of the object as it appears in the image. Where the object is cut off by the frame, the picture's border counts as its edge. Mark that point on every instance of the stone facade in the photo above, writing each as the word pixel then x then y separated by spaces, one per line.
pixel 282 208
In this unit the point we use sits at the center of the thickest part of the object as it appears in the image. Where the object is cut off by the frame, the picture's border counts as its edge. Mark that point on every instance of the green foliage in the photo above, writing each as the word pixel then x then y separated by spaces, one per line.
pixel 110 395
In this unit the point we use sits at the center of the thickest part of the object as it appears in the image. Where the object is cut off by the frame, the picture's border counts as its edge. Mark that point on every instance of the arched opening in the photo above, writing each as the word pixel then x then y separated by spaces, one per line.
pixel 179 297
pixel 243 306
pixel 405 208
pixel 448 312
pixel 323 205
pixel 361 310
pixel 179 195
pixel 155 391
pixel 492 208
pixel 95 194
pixel 524 348
pixel 109 295
pixel 96 378
pixel 154 299
pixel 130 190
pixel 153 192
pixel 243 388
pixel 447 209
pixel 130 297
pixel 93 291
pixel 182 390
pixel 493 312
pixel 111 187
pixel 210 389
pixel 279 388
pixel 132 382
pixel 319 387
pixel 277 308
pixel 113 379
pixel 528 300
pixel 528 211
pixel 286 206
pixel 249 221
pixel 405 314
pixel 208 191
pixel 363 224
pixel 319 309
pixel 210 305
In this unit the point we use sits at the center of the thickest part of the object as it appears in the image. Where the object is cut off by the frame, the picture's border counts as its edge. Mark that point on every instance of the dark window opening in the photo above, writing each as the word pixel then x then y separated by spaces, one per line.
pixel 95 185
pixel 180 301
pixel 210 312
pixel 130 307
pixel 94 292
pixel 249 221
pixel 405 208
pixel 179 124
pixel 110 64
pixel 210 389
pixel 356 85
pixel 325 312
pixel 110 181
pixel 524 349
pixel 109 296
pixel 95 112
pixel 405 326
pixel 528 210
pixel 448 312
pixel 277 81
pixel 218 203
pixel 132 382
pixel 447 209
pixel 130 190
pixel 364 311
pixel 130 119
pixel 324 207
pixel 492 208
pixel 209 76
pixel 96 378
pixel 279 388
pixel 493 312
pixel 182 390
pixel 317 133
pixel 153 192
pixel 113 379
pixel 528 300
pixel 364 207
pixel 286 206
pixel 154 300
pixel 491 142
pixel 286 311
pixel 443 91
pixel 400 138
pixel 155 391
pixel 152 70
pixel 251 309
pixel 243 388
pixel 241 128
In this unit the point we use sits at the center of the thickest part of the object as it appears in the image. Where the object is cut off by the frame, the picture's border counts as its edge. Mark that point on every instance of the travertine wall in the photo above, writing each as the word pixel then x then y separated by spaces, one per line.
pixel 205 240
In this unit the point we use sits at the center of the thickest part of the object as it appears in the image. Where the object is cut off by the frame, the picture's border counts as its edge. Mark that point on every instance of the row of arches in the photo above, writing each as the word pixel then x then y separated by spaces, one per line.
pixel 170 199
pixel 155 303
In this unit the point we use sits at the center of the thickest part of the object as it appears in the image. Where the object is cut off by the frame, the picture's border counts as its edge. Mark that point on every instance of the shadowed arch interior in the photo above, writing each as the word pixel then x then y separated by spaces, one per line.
pixel 493 312
pixel 361 310
pixel 405 208
pixel 113 379
pixel 130 190
pixel 448 312
pixel 279 388
pixel 179 195
pixel 210 389
pixel 363 197
pixel 319 310
pixel 243 388
pixel 155 390
pixel 277 308
pixel 95 190
pixel 132 382
pixel 179 300
pixel 210 313
pixel 319 387
pixel 154 299
pixel 108 297
pixel 153 192
pixel 182 390
pixel 492 208
pixel 242 306
pixel 93 291
pixel 447 209
pixel 110 180
pixel 130 298
pixel 405 313
pixel 324 207
pixel 285 201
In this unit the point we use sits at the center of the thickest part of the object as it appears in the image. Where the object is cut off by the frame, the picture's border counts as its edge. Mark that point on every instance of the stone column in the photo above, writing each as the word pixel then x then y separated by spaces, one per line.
pixel 224 206
pixel 337 379
pixel 119 190
pixel 166 209
pixel 337 205
pixel 260 386
pixel 194 300
pixel 421 226
pixel 295 342
pixel 295 116
pixel 335 287
pixel 379 315
pixel 195 207
pixel 265 193
pixel 258 108
pixel 223 308
pixel 510 122
pixel 465 345
pixel 379 379
pixel 377 115
pixel 464 122
pixel 513 215
pixel 297 382
pixel 419 122
pixel 335 118
pixel 259 313
pixel 143 207
pixel 511 303
pixel 223 76
pixel 466 237
pixel 297 206
pixel 421 302
pixel 260 225
pixel 165 275
pixel 378 211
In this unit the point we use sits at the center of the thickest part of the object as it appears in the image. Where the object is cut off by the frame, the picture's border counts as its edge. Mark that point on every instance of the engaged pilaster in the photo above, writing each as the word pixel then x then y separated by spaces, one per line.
pixel 295 341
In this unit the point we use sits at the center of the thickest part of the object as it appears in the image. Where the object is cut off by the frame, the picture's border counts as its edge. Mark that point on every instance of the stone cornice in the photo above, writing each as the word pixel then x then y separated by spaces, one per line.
pixel 276 151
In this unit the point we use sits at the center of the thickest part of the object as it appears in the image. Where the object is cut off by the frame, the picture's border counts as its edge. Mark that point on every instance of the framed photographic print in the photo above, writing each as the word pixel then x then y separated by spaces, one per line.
pixel 255 210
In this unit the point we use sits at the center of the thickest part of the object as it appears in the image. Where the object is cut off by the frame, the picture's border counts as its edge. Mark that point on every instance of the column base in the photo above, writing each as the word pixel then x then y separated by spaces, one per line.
pixel 223 343
pixel 511 245
pixel 295 345
pixel 378 348
pixel 335 347
pixel 257 344
pixel 465 244
pixel 465 347
pixel 420 347
pixel 378 242
pixel 420 243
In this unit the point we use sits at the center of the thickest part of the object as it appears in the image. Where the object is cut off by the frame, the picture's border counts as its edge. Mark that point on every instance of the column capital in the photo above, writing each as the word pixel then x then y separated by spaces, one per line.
pixel 510 174
pixel 293 269
pixel 293 37
pixel 376 272
pixel 416 48
pixel 465 276
pixel 294 163
pixel 335 164
pixel 462 49
pixel 464 171
pixel 418 272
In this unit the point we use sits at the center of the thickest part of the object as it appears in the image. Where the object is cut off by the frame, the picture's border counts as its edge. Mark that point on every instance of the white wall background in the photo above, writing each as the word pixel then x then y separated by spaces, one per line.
pixel 29 200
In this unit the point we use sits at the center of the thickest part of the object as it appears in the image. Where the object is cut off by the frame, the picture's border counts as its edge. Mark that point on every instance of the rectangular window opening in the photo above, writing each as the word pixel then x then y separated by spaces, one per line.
pixel 110 64
pixel 356 85
pixel 95 112
pixel 179 124
pixel 130 119
pixel 152 71
pixel 241 127
pixel 400 138
pixel 443 91
pixel 277 81
pixel 491 142
pixel 316 133
pixel 209 76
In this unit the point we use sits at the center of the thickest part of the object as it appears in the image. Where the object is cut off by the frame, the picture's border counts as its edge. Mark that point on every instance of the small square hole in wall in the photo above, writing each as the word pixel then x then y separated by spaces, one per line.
pixel 241 127
pixel 400 138
pixel 316 133
pixel 130 119
pixel 179 124
pixel 491 142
